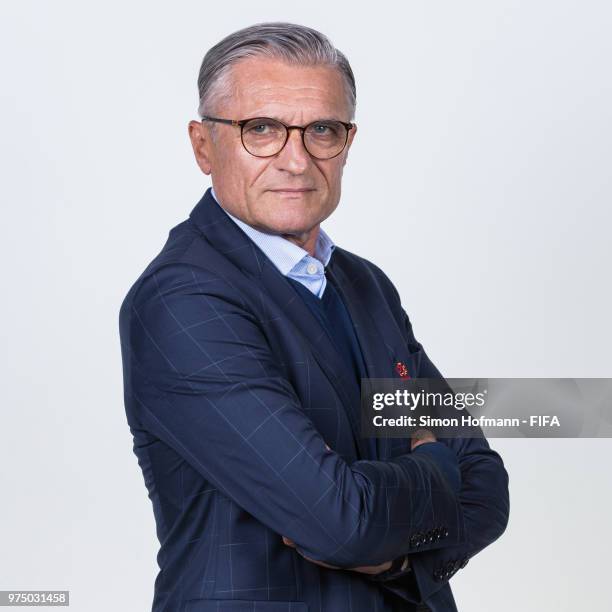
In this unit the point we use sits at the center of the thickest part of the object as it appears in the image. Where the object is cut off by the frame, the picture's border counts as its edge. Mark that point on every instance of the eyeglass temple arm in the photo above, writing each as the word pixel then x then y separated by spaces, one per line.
pixel 217 120
pixel 348 126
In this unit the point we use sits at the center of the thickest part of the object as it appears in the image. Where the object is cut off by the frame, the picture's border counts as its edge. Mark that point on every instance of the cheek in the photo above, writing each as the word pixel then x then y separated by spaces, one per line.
pixel 241 172
pixel 333 176
pixel 249 169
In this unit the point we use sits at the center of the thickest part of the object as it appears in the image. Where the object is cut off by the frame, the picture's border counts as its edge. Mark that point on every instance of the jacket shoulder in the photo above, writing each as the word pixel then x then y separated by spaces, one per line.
pixel 186 260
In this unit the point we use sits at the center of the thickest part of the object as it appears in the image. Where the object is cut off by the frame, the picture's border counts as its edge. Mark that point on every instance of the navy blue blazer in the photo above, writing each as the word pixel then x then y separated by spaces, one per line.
pixel 232 392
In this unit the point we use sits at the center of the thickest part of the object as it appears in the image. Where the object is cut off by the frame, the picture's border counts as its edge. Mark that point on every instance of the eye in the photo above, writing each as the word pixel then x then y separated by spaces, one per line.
pixel 259 128
pixel 262 127
pixel 321 128
pixel 325 129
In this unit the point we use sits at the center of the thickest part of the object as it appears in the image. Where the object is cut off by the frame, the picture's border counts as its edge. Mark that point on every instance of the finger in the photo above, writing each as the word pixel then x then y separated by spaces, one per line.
pixel 421 436
pixel 321 563
pixel 289 542
pixel 372 569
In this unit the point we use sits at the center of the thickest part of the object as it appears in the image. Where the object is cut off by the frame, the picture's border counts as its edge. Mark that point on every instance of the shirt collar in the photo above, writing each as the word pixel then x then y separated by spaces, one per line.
pixel 283 253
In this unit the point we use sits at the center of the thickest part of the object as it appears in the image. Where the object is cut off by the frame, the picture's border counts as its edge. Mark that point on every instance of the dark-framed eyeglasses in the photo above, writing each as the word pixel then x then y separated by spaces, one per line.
pixel 266 137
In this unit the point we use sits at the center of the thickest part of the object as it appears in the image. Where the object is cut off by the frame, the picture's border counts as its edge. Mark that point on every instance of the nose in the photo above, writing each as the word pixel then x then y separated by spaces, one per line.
pixel 293 158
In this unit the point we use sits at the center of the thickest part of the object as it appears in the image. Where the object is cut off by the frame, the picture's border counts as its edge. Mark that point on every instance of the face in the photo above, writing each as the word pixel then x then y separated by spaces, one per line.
pixel 255 189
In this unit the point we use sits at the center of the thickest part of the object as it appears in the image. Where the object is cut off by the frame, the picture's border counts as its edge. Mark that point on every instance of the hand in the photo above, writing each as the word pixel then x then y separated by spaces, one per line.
pixel 364 569
pixel 372 569
pixel 421 436
pixel 289 542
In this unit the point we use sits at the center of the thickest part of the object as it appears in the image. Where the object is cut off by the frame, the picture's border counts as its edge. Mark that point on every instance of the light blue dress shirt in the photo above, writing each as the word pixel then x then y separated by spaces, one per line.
pixel 290 259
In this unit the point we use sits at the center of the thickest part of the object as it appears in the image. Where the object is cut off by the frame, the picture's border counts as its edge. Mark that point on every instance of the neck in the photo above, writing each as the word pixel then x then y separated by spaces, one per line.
pixel 307 240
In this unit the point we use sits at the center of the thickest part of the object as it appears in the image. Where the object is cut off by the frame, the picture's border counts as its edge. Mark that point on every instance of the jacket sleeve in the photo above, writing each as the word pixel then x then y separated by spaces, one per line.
pixel 203 379
pixel 484 501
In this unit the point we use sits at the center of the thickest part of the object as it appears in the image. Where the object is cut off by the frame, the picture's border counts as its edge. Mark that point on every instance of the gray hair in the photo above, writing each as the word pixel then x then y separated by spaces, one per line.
pixel 289 42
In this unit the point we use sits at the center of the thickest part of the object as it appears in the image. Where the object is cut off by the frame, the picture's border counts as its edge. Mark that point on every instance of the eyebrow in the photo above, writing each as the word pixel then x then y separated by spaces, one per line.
pixel 287 123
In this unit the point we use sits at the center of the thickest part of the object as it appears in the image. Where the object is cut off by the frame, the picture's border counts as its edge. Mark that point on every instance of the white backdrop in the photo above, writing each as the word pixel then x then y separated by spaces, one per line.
pixel 479 181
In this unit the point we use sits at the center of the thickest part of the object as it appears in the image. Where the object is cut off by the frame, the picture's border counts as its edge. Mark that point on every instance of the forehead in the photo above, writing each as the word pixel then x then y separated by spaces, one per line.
pixel 262 86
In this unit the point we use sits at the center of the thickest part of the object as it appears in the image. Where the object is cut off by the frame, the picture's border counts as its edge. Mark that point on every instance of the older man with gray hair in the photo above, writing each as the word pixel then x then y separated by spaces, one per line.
pixel 244 342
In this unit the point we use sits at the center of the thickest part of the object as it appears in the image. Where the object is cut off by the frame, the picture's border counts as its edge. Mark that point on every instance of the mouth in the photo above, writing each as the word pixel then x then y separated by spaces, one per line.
pixel 291 191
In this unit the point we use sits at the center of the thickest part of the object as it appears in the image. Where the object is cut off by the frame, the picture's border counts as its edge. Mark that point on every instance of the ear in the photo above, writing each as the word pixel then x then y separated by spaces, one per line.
pixel 349 142
pixel 201 143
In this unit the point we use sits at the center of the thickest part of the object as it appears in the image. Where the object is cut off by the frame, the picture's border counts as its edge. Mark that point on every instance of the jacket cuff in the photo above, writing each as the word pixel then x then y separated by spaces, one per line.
pixel 446 459
pixel 433 569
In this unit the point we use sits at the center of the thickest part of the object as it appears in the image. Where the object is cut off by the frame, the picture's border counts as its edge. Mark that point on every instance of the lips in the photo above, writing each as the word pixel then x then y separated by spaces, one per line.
pixel 293 190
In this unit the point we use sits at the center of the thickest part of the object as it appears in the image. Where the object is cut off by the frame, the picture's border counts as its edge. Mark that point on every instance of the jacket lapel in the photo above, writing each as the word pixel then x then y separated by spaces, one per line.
pixel 377 355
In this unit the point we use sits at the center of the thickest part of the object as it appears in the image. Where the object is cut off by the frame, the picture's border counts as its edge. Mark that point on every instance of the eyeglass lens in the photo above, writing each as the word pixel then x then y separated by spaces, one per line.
pixel 266 137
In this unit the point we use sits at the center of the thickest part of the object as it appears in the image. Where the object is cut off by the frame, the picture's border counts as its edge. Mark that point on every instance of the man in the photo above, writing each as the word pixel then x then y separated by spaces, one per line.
pixel 243 346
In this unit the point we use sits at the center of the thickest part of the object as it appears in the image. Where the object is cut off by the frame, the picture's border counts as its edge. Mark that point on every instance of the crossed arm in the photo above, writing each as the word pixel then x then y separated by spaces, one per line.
pixel 483 495
pixel 207 384
pixel 422 436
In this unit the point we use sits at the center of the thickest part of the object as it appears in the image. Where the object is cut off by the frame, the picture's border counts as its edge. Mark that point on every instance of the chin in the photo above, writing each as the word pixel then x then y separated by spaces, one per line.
pixel 290 222
pixel 293 229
